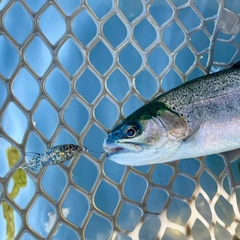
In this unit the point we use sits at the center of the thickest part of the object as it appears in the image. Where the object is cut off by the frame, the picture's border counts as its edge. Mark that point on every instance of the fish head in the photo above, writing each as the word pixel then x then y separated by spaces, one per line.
pixel 150 135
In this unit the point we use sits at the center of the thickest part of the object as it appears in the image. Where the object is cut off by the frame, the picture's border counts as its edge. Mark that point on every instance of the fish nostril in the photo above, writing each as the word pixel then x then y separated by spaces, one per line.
pixel 107 140
pixel 109 136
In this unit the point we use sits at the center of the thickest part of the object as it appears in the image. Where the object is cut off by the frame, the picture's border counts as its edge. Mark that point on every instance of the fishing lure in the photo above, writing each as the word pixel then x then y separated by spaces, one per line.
pixel 52 156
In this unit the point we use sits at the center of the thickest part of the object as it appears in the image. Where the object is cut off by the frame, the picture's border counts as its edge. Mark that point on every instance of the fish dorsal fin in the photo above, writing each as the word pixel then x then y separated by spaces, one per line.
pixel 236 65
pixel 231 155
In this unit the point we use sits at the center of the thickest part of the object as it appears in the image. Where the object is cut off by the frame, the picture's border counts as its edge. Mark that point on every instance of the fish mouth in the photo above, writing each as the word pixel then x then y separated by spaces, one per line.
pixel 113 148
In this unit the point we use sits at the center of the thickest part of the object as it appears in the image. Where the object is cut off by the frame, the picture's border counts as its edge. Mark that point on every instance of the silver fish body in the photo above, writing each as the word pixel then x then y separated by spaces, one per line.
pixel 198 118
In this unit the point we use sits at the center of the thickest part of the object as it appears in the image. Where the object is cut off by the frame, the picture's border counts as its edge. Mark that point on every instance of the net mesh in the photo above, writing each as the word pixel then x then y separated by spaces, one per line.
pixel 69 71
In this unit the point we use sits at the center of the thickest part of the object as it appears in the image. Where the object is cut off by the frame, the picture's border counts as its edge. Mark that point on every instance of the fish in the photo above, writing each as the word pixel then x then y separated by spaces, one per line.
pixel 198 118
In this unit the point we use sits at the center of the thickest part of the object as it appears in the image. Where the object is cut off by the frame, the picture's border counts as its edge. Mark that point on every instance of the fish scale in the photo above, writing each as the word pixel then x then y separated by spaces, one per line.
pixel 188 99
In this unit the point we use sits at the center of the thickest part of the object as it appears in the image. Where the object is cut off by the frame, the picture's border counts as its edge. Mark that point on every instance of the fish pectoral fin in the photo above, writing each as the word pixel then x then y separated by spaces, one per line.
pixel 231 155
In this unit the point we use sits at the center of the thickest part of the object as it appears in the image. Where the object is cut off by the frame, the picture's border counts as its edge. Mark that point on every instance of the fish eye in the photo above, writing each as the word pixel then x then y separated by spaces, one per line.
pixel 131 131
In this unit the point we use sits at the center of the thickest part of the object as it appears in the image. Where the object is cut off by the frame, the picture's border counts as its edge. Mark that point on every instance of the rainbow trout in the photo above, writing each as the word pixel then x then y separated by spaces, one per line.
pixel 198 118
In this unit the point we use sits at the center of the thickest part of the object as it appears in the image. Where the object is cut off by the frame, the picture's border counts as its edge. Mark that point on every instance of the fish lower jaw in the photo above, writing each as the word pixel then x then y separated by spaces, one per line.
pixel 115 148
pixel 111 148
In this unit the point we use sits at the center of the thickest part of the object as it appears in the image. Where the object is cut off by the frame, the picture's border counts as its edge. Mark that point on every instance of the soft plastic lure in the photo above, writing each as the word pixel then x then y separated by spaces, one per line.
pixel 52 156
